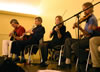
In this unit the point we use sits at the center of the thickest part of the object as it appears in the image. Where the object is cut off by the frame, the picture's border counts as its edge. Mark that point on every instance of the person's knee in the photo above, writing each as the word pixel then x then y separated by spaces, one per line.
pixel 5 41
pixel 43 46
pixel 14 42
pixel 92 40
pixel 99 48
pixel 74 46
pixel 68 41
pixel 10 42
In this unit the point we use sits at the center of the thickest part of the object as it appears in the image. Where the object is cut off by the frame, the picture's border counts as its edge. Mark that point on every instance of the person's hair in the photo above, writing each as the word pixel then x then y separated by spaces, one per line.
pixel 39 19
pixel 60 18
pixel 14 21
pixel 88 4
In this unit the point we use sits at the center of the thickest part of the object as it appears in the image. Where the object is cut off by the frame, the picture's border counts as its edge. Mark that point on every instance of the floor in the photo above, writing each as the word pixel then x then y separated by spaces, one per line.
pixel 52 67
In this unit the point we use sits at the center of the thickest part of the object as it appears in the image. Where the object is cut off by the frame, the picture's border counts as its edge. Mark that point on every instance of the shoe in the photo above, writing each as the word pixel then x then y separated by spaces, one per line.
pixel 23 61
pixel 16 60
pixel 5 57
pixel 43 64
pixel 67 61
pixel 96 69
pixel 9 58
pixel 67 66
pixel 81 67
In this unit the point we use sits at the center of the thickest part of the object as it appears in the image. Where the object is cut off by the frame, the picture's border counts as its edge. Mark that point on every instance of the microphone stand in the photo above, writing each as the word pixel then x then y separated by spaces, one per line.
pixel 78 13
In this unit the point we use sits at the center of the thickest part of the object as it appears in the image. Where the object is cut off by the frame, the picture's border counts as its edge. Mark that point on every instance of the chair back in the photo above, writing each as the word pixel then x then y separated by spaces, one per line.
pixel 68 34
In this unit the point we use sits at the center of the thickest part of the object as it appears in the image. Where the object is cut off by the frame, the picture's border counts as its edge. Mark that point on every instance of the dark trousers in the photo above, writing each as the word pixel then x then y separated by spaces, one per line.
pixel 44 51
pixel 78 46
pixel 19 45
pixel 16 47
pixel 44 48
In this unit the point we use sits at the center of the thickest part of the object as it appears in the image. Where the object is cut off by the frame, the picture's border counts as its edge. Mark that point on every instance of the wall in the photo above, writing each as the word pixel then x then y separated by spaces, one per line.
pixel 25 20
pixel 65 8
pixel 49 9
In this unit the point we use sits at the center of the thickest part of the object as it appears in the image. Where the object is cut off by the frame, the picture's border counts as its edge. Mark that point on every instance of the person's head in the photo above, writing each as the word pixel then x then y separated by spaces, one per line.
pixel 58 19
pixel 14 23
pixel 87 5
pixel 38 21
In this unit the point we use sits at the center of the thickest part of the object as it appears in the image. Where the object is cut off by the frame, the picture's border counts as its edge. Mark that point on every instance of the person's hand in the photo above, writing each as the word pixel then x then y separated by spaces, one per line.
pixel 50 33
pixel 32 32
pixel 23 34
pixel 75 25
pixel 56 29
pixel 10 34
pixel 80 36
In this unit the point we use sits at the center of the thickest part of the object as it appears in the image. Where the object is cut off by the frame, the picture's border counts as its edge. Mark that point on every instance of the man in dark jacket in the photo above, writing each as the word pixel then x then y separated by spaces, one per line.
pixel 35 35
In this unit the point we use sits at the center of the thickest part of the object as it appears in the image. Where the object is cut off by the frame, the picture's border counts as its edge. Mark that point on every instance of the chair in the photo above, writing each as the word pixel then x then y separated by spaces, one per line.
pixel 86 68
pixel 89 58
pixel 32 46
pixel 87 61
pixel 54 53
pixel 59 49
pixel 60 56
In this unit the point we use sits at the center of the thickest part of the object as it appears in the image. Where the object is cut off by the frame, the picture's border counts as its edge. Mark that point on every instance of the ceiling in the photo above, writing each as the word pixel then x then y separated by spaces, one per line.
pixel 21 6
pixel 27 2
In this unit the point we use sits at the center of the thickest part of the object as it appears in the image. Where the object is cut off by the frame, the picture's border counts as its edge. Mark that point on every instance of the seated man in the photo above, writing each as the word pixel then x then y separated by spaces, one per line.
pixel 80 45
pixel 36 34
pixel 15 35
pixel 58 33
pixel 95 53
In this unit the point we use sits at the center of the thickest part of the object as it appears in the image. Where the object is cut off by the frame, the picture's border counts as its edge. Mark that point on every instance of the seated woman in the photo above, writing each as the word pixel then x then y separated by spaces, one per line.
pixel 36 34
pixel 58 33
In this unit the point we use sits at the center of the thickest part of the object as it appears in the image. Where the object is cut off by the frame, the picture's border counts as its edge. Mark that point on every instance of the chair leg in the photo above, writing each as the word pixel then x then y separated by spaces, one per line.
pixel 41 60
pixel 59 61
pixel 77 64
pixel 87 62
pixel 29 59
